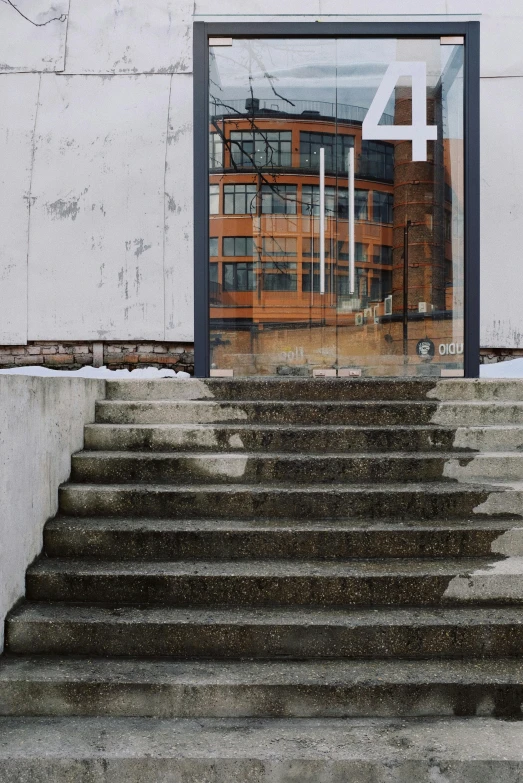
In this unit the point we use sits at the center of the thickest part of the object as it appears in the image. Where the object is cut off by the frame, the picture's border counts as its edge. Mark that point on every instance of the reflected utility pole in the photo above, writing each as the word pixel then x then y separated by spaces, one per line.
pixel 406 290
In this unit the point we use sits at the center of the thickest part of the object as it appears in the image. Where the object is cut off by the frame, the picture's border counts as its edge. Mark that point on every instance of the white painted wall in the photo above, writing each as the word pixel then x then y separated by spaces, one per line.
pixel 18 98
pixel 41 425
pixel 33 46
pixel 97 216
pixel 108 164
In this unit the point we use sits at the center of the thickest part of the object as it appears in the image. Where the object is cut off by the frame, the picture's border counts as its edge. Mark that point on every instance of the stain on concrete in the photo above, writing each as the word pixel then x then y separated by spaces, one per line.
pixel 61 209
pixel 140 247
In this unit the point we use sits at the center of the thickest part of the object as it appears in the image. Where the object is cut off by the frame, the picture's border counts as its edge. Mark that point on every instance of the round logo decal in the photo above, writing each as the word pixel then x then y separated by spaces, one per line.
pixel 425 348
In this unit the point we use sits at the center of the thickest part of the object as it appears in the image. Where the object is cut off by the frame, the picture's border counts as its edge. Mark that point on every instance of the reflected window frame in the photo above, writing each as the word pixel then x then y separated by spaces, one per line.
pixel 238 276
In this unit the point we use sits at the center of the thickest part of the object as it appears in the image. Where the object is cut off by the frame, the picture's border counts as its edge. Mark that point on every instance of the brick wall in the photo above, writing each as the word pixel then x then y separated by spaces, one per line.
pixel 116 356
pixel 493 355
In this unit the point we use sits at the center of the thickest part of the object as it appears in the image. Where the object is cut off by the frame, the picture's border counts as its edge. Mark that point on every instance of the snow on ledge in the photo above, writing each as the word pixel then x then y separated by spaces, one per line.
pixel 512 368
pixel 145 373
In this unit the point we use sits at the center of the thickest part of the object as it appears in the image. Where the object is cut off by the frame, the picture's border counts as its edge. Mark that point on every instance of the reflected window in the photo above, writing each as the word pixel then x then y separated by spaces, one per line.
pixel 382 254
pixel 278 199
pixel 361 284
pixel 215 151
pixel 311 247
pixel 253 149
pixel 361 204
pixel 214 199
pixel 239 199
pixel 306 277
pixel 336 150
pixel 382 204
pixel 375 289
pixel 360 251
pixel 310 200
pixel 238 276
pixel 449 273
pixel 214 287
pixel 238 246
pixel 386 283
pixel 377 160
pixel 279 276
pixel 213 246
pixel 279 246
pixel 448 226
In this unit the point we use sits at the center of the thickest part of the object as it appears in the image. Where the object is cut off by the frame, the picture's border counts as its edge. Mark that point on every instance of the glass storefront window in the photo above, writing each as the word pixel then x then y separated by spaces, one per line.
pixel 276 107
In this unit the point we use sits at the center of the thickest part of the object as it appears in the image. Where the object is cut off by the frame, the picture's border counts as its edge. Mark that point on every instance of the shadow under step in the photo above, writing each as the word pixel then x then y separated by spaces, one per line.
pixel 113 467
pixel 167 539
pixel 275 583
pixel 260 689
pixel 431 500
pixel 367 413
pixel 65 629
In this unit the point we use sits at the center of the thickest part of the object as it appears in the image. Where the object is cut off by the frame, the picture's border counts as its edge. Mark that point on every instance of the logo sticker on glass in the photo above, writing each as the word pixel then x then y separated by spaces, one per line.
pixel 425 348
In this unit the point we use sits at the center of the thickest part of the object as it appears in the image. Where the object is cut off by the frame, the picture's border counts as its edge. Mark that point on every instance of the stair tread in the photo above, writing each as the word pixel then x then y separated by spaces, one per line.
pixel 379 672
pixel 67 749
pixel 220 425
pixel 294 457
pixel 320 403
pixel 278 568
pixel 275 525
pixel 289 427
pixel 298 617
pixel 285 487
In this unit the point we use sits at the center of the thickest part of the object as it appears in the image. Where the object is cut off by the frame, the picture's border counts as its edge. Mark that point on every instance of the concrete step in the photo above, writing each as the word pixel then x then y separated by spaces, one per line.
pixel 265 412
pixel 322 389
pixel 286 412
pixel 447 500
pixel 317 389
pixel 292 438
pixel 359 750
pixel 114 687
pixel 168 539
pixel 297 438
pixel 247 467
pixel 304 583
pixel 265 633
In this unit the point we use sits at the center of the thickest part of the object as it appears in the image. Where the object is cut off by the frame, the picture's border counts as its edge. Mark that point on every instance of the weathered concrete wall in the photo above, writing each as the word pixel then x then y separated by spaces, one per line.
pixel 41 425
pixel 96 182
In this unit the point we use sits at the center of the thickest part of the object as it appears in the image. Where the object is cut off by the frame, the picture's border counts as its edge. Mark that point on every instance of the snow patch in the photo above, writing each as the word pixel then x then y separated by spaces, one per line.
pixel 502 580
pixel 509 543
pixel 230 466
pixel 144 373
pixel 512 368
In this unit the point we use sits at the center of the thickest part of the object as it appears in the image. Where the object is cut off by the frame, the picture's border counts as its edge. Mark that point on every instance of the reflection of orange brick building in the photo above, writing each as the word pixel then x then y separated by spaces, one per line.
pixel 264 232
pixel 282 192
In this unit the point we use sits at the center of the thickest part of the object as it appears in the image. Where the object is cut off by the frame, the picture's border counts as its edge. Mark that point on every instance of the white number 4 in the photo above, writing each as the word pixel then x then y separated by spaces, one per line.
pixel 419 132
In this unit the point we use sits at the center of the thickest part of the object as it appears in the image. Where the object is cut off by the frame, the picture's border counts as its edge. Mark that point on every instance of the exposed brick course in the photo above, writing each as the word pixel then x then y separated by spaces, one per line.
pixel 73 355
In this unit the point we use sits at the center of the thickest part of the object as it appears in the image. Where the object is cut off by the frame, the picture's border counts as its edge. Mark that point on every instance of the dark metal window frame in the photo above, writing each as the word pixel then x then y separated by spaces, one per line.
pixel 204 30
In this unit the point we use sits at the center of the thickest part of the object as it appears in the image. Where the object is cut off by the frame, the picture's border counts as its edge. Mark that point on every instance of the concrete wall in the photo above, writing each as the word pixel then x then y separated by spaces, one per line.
pixel 96 188
pixel 41 425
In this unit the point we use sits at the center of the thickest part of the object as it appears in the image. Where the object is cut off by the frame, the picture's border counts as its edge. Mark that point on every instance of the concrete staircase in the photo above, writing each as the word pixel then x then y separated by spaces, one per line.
pixel 301 557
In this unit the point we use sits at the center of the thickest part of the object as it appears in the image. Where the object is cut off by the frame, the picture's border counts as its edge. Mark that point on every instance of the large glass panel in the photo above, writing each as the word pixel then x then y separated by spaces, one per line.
pixel 270 103
pixel 405 316
pixel 285 297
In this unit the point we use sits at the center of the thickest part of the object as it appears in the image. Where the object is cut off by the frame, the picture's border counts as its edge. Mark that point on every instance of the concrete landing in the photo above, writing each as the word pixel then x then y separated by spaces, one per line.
pixel 69 750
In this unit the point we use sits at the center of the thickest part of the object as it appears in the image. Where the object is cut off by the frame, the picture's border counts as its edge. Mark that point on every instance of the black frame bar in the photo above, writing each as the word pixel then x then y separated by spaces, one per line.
pixel 203 31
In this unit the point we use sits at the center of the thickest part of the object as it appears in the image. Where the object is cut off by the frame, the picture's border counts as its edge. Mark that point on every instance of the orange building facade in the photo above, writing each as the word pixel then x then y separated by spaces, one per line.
pixel 267 314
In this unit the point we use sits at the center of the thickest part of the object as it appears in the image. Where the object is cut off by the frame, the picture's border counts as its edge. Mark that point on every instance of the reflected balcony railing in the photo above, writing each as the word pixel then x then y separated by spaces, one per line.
pixel 260 107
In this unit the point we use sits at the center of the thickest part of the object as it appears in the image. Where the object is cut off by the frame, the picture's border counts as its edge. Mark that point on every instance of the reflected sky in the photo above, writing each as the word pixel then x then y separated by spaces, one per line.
pixel 343 71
